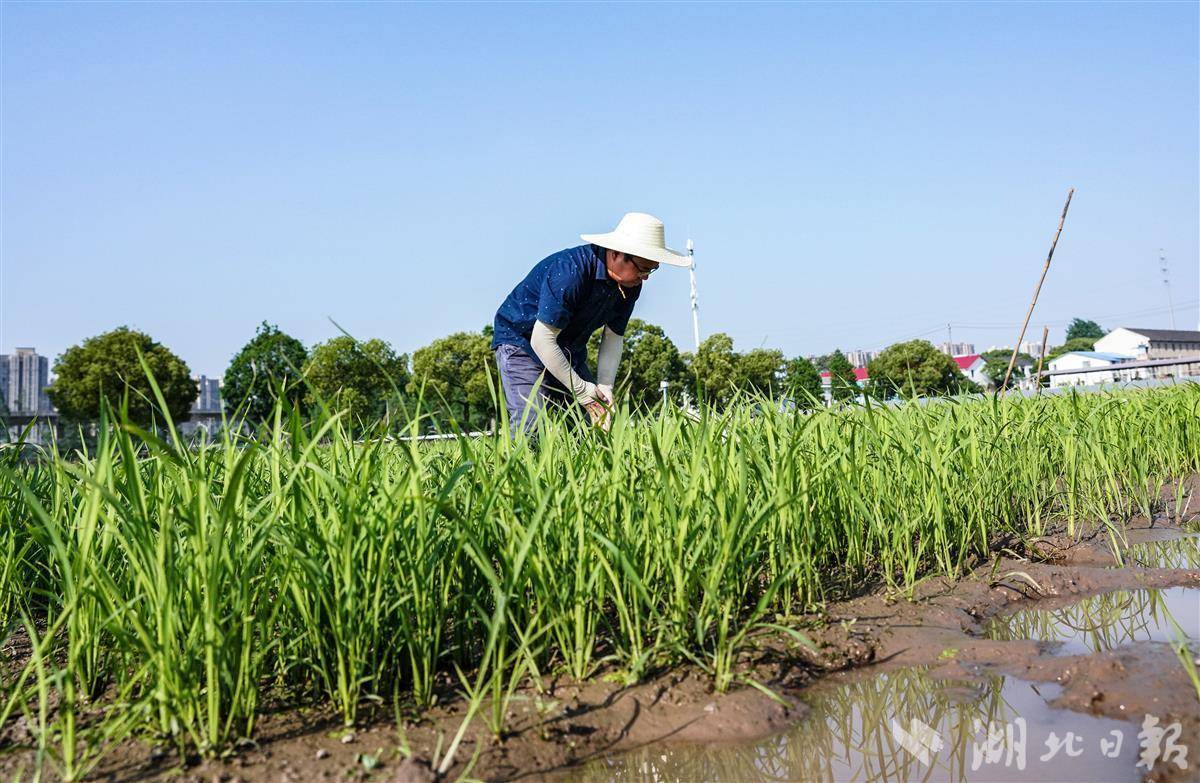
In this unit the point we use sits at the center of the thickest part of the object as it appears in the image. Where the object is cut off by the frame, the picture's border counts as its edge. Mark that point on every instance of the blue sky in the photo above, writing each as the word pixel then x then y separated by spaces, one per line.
pixel 852 175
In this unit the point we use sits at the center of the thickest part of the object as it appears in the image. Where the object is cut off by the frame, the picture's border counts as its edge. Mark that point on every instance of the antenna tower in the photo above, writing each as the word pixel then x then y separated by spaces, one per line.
pixel 1166 278
pixel 695 307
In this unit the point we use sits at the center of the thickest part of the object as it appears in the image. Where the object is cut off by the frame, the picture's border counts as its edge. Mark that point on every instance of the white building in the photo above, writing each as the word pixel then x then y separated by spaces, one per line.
pixel 1136 343
pixel 860 377
pixel 972 367
pixel 1080 360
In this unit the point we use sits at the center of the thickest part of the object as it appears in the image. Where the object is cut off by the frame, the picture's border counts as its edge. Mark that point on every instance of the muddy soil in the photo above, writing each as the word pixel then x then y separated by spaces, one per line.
pixel 554 735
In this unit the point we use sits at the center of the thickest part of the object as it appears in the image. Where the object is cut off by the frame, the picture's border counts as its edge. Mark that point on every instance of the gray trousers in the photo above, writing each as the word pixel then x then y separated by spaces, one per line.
pixel 519 373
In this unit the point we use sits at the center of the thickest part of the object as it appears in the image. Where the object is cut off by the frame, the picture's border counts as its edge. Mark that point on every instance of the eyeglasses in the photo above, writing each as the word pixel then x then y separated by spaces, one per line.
pixel 645 270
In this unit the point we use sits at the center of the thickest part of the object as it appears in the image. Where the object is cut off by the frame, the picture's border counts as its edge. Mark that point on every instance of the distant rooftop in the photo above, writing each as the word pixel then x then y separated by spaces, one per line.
pixel 1181 361
pixel 1179 335
pixel 1108 357
pixel 860 374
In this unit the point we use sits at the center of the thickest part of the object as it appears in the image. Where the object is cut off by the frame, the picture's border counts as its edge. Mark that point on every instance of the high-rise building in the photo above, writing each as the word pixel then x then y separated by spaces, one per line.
pixel 206 411
pixel 860 357
pixel 1033 348
pixel 26 376
pixel 209 398
pixel 3 381
pixel 957 349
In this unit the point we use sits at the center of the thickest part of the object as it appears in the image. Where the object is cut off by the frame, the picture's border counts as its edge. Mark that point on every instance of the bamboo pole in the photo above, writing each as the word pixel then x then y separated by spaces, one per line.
pixel 1041 358
pixel 1029 314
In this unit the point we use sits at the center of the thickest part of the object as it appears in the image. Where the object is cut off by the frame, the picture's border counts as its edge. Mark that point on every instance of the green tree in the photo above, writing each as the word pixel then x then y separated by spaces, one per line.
pixel 271 361
pixel 648 357
pixel 360 377
pixel 802 381
pixel 715 368
pixel 108 365
pixel 454 374
pixel 995 365
pixel 758 370
pixel 1081 328
pixel 821 362
pixel 842 383
pixel 915 369
pixel 1074 344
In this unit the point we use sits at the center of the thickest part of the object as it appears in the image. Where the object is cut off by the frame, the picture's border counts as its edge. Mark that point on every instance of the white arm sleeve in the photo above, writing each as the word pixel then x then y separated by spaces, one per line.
pixel 610 357
pixel 545 344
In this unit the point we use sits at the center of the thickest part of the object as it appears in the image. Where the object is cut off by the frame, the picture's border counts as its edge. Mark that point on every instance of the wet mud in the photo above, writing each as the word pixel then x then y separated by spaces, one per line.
pixel 866 727
pixel 1064 635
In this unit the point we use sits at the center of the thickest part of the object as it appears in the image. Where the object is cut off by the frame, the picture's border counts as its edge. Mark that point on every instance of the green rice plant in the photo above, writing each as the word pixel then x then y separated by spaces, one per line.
pixel 429 566
pixel 315 562
pixel 341 536
pixel 21 558
pixel 194 608
pixel 42 721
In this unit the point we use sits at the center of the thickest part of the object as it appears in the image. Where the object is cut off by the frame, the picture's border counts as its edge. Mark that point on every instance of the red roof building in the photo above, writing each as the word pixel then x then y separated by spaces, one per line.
pixel 972 366
pixel 860 375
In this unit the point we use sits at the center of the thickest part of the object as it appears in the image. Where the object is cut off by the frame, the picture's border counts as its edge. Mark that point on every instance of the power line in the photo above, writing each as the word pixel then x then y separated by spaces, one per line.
pixel 937 328
pixel 1067 322
pixel 838 329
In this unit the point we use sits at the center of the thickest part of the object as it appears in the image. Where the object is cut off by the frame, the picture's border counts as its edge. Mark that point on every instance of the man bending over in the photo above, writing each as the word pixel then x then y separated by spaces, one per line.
pixel 541 330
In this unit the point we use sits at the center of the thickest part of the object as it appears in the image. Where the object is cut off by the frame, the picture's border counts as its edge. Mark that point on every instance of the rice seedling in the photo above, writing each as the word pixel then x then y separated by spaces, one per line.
pixel 316 563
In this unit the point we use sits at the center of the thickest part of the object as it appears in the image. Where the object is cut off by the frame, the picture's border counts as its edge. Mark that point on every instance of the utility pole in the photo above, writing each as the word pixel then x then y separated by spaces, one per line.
pixel 949 339
pixel 1166 277
pixel 695 306
pixel 1049 256
pixel 1037 379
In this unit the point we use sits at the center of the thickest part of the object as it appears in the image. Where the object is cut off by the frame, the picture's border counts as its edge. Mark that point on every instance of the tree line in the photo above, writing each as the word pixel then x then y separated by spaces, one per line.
pixel 452 382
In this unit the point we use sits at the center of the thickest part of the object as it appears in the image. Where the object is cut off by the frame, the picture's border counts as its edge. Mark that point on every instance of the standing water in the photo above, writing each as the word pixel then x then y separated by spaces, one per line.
pixel 1173 550
pixel 993 729
pixel 906 725
pixel 1108 620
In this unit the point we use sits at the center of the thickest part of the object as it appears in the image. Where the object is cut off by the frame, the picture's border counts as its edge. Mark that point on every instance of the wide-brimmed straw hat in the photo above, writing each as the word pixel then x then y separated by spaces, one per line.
pixel 641 235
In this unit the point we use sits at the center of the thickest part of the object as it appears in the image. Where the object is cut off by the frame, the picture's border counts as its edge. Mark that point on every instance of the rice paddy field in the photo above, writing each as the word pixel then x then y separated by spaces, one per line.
pixel 174 592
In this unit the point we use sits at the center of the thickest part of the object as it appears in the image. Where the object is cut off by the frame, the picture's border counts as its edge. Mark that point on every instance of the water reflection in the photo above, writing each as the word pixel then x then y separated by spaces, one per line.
pixel 1106 621
pixel 850 737
pixel 1182 551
